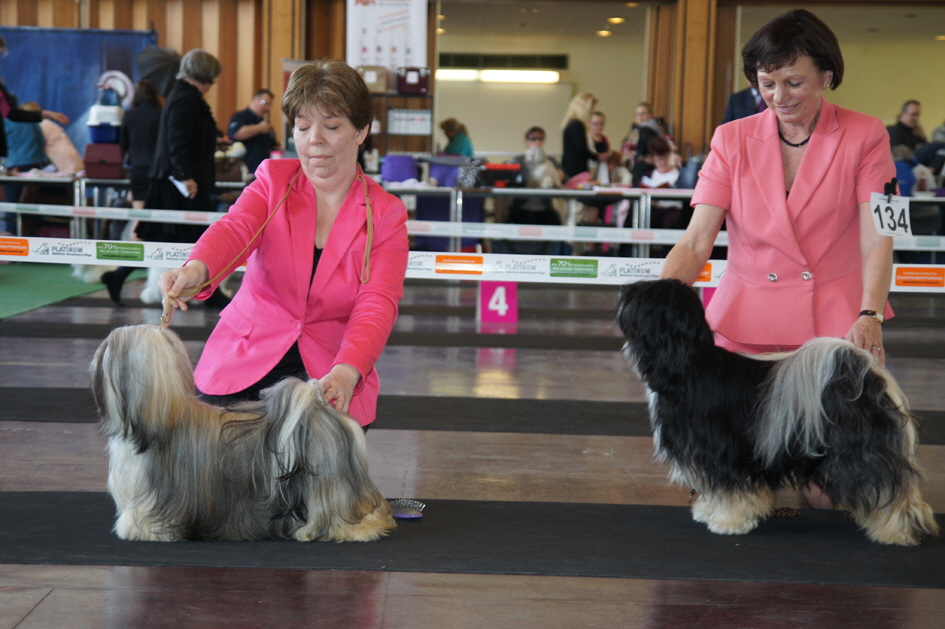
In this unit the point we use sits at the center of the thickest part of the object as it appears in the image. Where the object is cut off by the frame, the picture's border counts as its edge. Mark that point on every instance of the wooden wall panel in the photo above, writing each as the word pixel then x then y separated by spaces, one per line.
pixel 661 66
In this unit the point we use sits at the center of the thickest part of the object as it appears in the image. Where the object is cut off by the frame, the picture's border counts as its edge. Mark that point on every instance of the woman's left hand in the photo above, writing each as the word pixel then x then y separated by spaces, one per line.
pixel 338 385
pixel 867 333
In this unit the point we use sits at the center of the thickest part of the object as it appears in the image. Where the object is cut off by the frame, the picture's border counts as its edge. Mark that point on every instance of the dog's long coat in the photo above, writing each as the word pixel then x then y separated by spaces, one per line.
pixel 288 467
pixel 735 427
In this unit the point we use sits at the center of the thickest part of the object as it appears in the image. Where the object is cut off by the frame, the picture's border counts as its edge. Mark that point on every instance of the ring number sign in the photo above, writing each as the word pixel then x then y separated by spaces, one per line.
pixel 891 215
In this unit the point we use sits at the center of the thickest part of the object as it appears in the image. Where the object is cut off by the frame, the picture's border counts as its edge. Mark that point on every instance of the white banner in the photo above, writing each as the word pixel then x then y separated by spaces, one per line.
pixel 388 33
pixel 431 265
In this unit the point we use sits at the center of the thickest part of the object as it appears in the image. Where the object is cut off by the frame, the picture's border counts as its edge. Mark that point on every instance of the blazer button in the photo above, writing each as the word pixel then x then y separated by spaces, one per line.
pixel 772 277
pixel 806 275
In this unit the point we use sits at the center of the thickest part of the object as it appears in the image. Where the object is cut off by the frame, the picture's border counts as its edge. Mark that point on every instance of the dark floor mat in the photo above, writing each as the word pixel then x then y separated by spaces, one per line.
pixel 585 540
pixel 425 412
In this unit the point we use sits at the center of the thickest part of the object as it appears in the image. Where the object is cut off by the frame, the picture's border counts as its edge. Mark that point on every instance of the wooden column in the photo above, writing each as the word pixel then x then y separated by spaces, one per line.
pixel 282 38
pixel 695 72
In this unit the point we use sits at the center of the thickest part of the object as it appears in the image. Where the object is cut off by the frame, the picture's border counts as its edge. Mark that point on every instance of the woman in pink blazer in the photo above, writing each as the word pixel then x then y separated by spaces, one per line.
pixel 324 274
pixel 793 184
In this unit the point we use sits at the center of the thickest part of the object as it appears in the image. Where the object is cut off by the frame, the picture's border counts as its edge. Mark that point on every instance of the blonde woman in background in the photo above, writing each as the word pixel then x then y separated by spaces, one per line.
pixel 577 142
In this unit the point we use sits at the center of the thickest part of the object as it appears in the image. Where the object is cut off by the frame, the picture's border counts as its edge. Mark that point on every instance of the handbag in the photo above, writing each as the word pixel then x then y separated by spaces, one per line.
pixel 229 169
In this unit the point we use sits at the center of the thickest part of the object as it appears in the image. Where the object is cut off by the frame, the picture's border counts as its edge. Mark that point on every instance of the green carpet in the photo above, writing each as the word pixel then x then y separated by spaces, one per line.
pixel 25 286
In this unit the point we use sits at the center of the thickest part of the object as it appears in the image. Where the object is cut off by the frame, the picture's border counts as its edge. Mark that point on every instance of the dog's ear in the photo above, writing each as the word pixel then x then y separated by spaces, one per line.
pixel 142 382
pixel 662 309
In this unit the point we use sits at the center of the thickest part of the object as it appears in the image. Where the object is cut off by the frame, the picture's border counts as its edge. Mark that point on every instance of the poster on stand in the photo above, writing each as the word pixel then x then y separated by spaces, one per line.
pixel 387 33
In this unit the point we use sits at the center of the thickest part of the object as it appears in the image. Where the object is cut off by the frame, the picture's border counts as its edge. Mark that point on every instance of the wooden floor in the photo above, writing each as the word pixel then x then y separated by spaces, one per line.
pixel 440 464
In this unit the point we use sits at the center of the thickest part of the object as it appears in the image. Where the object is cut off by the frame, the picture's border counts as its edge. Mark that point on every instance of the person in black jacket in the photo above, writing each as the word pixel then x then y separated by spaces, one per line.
pixel 182 171
pixel 183 156
pixel 139 133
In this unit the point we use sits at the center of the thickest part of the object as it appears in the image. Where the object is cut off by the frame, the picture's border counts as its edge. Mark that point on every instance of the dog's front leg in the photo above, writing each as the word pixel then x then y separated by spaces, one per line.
pixel 733 513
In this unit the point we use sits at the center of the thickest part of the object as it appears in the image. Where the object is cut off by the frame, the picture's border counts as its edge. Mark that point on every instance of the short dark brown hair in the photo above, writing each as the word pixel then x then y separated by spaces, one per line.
pixel 785 39
pixel 658 146
pixel 146 92
pixel 331 86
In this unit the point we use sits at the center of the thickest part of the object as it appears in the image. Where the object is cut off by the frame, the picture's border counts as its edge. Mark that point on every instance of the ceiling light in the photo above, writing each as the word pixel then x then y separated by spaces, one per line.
pixel 519 76
pixel 940 37
pixel 441 17
pixel 633 5
pixel 604 33
pixel 456 74
pixel 616 20
pixel 440 31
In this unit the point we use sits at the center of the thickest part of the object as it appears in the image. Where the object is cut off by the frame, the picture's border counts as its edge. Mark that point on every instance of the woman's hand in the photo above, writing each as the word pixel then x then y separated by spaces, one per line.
pixel 55 115
pixel 338 385
pixel 184 280
pixel 191 186
pixel 867 333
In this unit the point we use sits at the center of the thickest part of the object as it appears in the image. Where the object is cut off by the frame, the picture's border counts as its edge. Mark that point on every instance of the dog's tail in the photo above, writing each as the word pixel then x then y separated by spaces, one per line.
pixel 319 460
pixel 826 383
pixel 832 416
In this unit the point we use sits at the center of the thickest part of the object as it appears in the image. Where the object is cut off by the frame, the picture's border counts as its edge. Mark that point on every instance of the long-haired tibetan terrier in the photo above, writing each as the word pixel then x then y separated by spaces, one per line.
pixel 735 427
pixel 287 467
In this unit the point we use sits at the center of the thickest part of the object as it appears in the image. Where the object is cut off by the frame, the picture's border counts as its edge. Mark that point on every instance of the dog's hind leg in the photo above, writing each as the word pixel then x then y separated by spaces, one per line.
pixel 905 521
pixel 734 512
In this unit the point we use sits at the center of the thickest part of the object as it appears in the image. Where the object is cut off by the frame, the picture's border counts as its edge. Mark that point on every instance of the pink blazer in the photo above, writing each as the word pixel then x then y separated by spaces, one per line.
pixel 335 318
pixel 794 262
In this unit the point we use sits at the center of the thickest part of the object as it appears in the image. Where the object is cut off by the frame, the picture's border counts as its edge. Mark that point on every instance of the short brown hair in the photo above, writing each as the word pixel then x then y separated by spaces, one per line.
pixel 658 146
pixel 331 86
pixel 785 39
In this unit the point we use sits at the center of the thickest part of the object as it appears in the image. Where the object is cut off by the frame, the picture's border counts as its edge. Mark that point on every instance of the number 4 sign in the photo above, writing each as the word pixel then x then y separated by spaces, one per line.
pixel 891 215
pixel 498 302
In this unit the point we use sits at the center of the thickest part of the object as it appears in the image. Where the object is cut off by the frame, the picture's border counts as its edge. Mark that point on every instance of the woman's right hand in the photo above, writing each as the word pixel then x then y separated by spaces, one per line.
pixel 191 186
pixel 186 280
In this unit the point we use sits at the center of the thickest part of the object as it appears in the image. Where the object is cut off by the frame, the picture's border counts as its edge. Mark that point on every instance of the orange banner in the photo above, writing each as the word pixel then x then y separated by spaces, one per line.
pixel 14 247
pixel 920 276
pixel 706 275
pixel 466 265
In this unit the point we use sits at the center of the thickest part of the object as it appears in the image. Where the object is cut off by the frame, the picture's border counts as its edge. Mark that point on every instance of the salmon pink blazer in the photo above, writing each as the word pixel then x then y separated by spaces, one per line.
pixel 333 317
pixel 794 263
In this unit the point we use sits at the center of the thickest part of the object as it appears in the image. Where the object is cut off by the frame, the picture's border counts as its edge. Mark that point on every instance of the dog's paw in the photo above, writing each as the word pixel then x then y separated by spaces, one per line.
pixel 722 526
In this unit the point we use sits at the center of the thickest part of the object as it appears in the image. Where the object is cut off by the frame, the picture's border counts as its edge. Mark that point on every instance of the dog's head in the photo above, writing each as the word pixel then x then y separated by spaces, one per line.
pixel 662 315
pixel 540 172
pixel 142 381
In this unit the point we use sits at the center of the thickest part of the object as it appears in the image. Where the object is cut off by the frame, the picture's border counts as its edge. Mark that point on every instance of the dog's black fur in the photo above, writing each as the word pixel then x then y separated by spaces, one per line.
pixel 736 427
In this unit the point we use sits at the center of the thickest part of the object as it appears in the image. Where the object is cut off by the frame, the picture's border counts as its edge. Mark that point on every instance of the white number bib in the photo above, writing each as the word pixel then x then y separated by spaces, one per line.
pixel 891 215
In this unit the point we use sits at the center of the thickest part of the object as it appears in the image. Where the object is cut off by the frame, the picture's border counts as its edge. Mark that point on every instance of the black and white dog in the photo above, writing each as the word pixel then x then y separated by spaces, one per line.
pixel 287 467
pixel 735 427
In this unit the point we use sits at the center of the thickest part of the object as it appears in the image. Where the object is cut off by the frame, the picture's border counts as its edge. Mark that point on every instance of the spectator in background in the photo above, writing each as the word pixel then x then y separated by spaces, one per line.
pixel 906 131
pixel 938 135
pixel 578 146
pixel 458 136
pixel 183 155
pixel 139 133
pixel 251 126
pixel 915 179
pixel 10 111
pixel 26 151
pixel 645 127
pixel 744 103
pixel 602 147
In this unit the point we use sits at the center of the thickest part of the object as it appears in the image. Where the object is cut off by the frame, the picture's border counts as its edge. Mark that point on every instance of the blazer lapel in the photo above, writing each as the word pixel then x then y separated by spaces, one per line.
pixel 346 228
pixel 767 168
pixel 823 146
pixel 300 221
